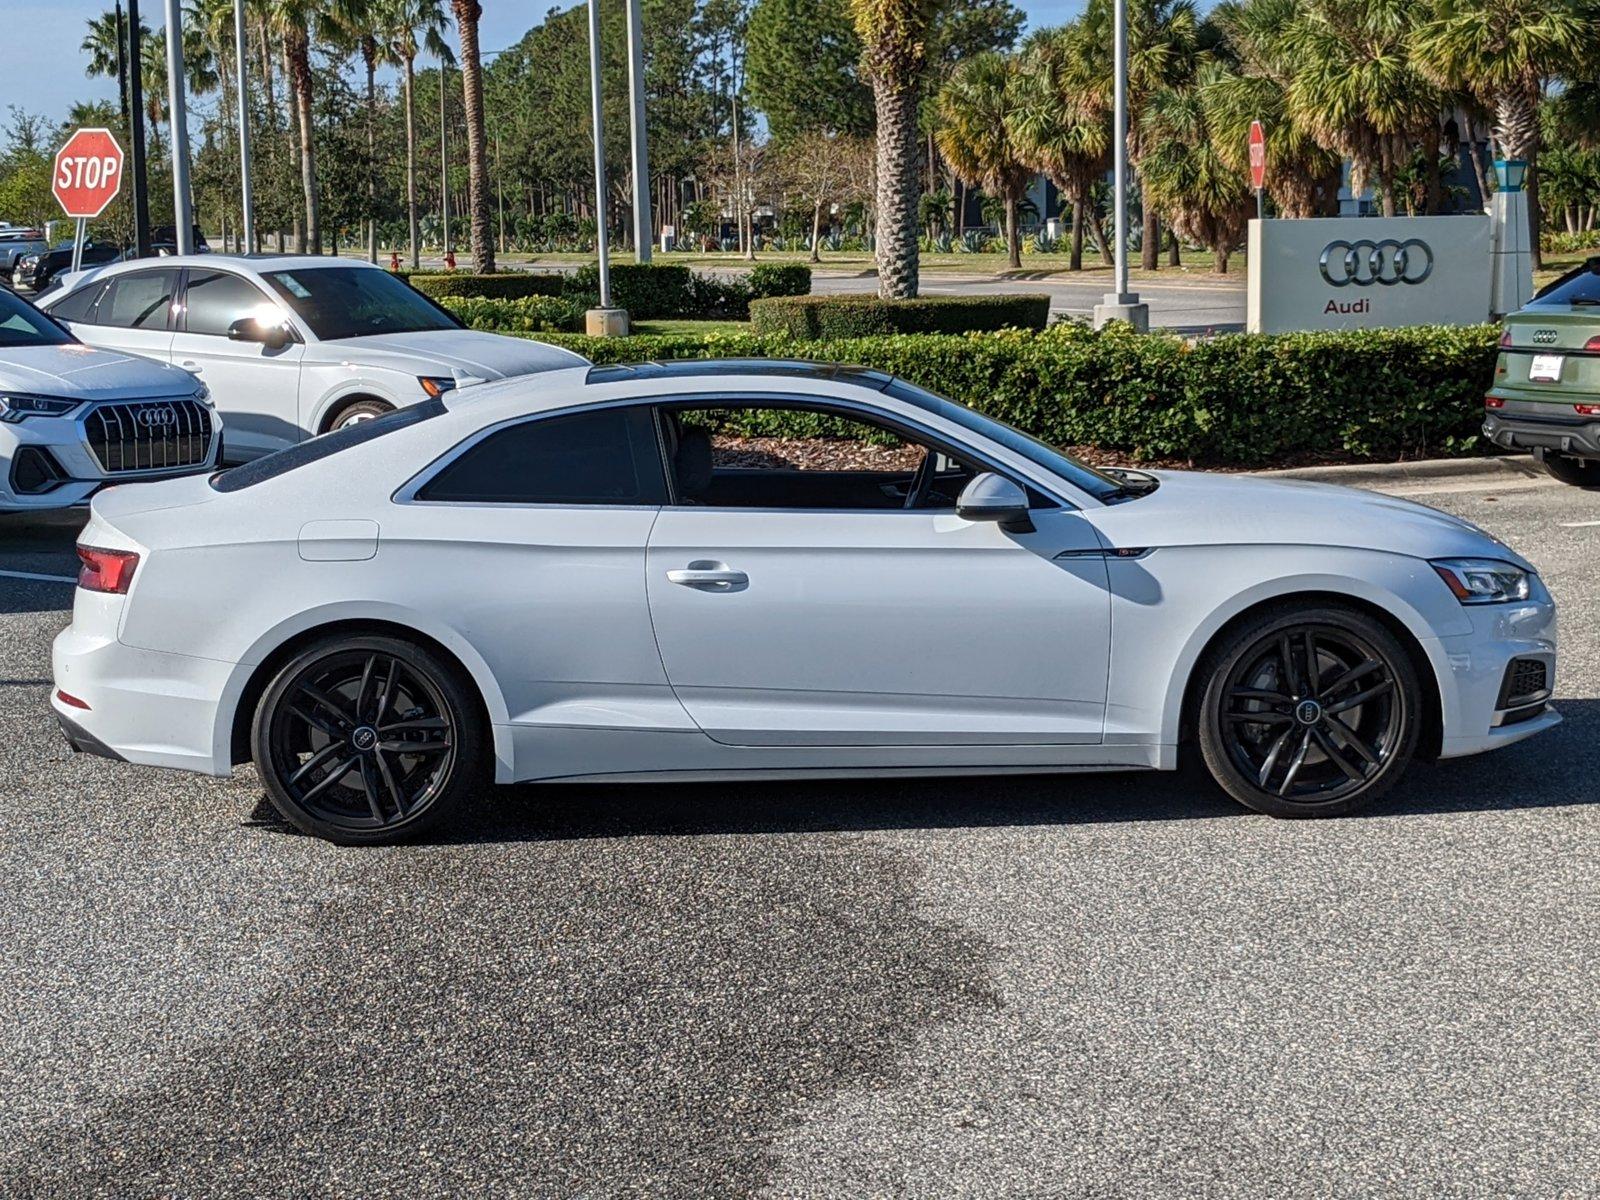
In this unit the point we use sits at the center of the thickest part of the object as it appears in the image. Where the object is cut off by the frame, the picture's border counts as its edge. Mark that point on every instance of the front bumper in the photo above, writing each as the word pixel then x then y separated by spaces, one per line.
pixel 1472 668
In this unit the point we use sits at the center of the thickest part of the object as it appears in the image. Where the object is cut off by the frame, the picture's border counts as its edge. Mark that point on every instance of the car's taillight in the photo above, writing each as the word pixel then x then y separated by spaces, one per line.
pixel 106 570
pixel 1593 344
pixel 1587 410
pixel 1505 339
pixel 1493 402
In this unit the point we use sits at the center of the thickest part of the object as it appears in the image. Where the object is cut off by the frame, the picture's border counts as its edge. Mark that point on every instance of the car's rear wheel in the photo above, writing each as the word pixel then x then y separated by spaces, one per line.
pixel 1579 472
pixel 367 739
pixel 1309 710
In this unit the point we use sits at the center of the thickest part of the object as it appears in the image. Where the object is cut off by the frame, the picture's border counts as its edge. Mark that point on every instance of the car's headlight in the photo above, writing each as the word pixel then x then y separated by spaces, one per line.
pixel 14 408
pixel 1484 580
pixel 203 394
pixel 30 260
pixel 437 385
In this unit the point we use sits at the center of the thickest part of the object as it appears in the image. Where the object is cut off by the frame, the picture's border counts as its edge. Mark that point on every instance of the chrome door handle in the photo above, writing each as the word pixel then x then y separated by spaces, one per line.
pixel 708 576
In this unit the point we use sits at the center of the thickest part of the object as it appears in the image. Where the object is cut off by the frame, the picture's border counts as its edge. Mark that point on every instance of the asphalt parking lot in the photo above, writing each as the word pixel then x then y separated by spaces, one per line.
pixel 1107 986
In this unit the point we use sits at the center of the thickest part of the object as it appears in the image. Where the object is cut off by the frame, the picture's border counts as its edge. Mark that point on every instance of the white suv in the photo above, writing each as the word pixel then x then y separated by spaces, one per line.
pixel 291 346
pixel 74 419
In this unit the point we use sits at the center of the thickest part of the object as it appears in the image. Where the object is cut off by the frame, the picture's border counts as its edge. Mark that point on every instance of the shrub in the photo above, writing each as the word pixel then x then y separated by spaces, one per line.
pixel 1244 400
pixel 528 314
pixel 506 285
pixel 646 290
pixel 779 279
pixel 832 317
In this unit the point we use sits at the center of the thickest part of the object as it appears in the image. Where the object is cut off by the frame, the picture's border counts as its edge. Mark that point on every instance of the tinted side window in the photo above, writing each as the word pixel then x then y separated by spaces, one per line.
pixel 140 300
pixel 216 299
pixel 78 305
pixel 608 456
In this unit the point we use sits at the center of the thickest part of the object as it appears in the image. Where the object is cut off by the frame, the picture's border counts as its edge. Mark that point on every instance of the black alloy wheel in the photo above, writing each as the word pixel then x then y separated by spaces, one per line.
pixel 1309 712
pixel 366 740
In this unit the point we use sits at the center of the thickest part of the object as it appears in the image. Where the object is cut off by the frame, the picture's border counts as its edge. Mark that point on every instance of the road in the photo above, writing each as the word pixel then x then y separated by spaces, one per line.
pixel 1106 986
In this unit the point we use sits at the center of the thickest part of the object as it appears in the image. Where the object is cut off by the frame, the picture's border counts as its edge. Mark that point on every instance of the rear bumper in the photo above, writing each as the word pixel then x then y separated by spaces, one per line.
pixel 1543 425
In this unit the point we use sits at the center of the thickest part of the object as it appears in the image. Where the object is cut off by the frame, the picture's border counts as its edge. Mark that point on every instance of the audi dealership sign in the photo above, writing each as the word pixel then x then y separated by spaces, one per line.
pixel 1368 272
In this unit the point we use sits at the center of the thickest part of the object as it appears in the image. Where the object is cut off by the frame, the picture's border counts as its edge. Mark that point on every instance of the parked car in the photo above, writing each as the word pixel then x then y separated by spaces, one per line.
pixel 579 577
pixel 1546 392
pixel 74 419
pixel 291 346
pixel 18 243
pixel 39 270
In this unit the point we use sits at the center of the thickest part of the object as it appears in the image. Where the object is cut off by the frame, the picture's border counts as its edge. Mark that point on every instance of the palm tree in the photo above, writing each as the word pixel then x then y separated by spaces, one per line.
pixel 1183 171
pixel 467 13
pixel 413 27
pixel 1502 51
pixel 1358 89
pixel 295 23
pixel 1060 126
pixel 361 26
pixel 976 109
pixel 894 50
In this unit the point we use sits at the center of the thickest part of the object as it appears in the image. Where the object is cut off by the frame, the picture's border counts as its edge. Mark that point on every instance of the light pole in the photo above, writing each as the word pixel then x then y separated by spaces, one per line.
pixel 641 155
pixel 141 183
pixel 444 162
pixel 182 212
pixel 1122 304
pixel 242 88
pixel 604 321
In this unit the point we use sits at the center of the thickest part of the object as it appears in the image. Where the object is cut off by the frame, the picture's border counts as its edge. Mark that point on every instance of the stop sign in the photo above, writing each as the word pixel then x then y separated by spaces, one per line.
pixel 88 172
pixel 1258 156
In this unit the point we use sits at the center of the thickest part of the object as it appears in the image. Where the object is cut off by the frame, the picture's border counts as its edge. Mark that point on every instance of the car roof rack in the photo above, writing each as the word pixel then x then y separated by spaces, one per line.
pixel 715 368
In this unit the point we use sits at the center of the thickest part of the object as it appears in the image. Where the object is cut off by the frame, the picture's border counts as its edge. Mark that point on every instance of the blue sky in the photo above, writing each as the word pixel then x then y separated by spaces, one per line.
pixel 44 72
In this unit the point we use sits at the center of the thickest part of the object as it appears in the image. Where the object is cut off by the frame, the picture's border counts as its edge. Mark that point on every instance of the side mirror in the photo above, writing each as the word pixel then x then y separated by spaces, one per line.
pixel 248 329
pixel 991 497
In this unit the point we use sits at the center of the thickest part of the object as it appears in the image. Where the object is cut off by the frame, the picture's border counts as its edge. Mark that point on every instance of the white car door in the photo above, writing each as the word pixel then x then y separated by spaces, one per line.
pixel 133 314
pixel 814 626
pixel 256 387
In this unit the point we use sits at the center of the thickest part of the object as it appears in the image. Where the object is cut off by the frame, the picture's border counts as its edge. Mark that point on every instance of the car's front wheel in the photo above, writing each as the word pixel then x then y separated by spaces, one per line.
pixel 363 740
pixel 1579 472
pixel 359 411
pixel 1309 710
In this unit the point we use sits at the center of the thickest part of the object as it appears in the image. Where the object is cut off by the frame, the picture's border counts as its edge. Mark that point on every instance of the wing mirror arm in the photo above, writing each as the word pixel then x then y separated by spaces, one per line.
pixel 991 497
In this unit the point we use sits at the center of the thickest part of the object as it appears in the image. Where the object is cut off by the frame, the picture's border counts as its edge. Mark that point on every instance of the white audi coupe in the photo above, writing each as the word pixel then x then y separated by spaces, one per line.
pixel 623 573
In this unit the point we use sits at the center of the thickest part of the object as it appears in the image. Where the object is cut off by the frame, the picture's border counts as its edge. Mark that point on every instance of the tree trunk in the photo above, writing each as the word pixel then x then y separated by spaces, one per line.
pixel 1099 235
pixel 816 231
pixel 467 14
pixel 1535 211
pixel 411 161
pixel 1079 200
pixel 1479 170
pixel 369 56
pixel 1013 236
pixel 299 50
pixel 1223 253
pixel 1434 180
pixel 1150 252
pixel 1516 128
pixel 1174 254
pixel 898 142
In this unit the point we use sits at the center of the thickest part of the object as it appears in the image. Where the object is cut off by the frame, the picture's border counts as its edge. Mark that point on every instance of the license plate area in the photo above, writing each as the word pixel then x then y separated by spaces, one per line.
pixel 1546 368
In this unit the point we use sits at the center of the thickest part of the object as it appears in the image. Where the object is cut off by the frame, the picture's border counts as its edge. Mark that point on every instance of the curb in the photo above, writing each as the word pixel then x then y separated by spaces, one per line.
pixel 1511 467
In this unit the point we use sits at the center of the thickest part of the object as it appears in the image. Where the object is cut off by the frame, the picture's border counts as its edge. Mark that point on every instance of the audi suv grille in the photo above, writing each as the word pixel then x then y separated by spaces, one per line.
pixel 149 435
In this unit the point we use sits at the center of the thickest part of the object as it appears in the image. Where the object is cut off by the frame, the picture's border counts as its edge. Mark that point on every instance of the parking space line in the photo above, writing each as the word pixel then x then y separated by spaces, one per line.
pixel 33 575
pixel 1579 524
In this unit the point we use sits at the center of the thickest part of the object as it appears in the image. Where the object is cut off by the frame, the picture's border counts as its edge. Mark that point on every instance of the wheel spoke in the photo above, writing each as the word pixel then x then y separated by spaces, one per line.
pixel 331 778
pixel 1258 718
pixel 415 723
pixel 1264 696
pixel 386 697
pixel 311 717
pixel 395 792
pixel 1379 689
pixel 1344 764
pixel 369 785
pixel 1359 671
pixel 329 703
pixel 1295 764
pixel 1291 675
pixel 364 690
pixel 1272 757
pixel 1313 672
pixel 401 746
pixel 331 750
pixel 1348 737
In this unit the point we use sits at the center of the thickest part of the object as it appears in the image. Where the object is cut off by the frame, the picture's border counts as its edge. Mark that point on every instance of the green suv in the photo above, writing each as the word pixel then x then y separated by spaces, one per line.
pixel 1546 392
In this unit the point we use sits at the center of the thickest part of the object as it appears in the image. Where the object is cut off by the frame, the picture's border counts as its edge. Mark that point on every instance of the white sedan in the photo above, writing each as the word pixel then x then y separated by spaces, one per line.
pixel 603 577
pixel 290 345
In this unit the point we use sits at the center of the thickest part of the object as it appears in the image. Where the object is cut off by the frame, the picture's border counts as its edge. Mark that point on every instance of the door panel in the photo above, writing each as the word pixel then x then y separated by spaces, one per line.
pixel 892 628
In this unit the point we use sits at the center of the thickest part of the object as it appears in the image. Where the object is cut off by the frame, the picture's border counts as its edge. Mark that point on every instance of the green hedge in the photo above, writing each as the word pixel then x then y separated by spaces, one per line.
pixel 779 279
pixel 832 317
pixel 530 314
pixel 1241 400
pixel 504 285
pixel 646 290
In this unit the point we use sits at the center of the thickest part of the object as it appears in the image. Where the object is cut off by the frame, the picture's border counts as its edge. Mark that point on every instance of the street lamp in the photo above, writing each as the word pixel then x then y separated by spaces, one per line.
pixel 1509 174
pixel 182 212
pixel 604 321
pixel 1121 304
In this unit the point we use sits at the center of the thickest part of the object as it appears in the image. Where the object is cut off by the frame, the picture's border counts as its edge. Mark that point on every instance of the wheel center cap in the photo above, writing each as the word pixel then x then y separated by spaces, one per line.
pixel 1308 712
pixel 364 738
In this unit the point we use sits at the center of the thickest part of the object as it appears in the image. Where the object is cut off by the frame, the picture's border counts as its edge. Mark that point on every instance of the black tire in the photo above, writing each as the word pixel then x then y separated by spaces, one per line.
pixel 329 733
pixel 1579 472
pixel 358 410
pixel 1290 740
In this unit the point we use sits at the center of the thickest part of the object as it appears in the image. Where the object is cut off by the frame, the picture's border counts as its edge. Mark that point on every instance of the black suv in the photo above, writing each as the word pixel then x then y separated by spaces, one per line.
pixel 38 271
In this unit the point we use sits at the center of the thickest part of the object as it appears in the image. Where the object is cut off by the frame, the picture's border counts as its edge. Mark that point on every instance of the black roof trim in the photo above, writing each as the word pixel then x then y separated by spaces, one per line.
pixel 717 368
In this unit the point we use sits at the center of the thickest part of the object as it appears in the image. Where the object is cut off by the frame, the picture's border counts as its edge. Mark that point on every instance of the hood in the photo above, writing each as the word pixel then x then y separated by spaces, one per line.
pixel 82 372
pixel 471 355
pixel 1196 509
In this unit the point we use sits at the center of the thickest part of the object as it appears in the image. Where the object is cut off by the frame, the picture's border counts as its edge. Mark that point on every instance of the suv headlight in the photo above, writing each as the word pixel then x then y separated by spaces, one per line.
pixel 203 394
pixel 1484 580
pixel 14 408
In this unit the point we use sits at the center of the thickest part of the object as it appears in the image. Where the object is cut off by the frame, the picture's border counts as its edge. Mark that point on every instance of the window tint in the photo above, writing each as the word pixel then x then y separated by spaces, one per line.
pixel 342 302
pixel 608 456
pixel 140 300
pixel 216 299
pixel 281 462
pixel 80 304
pixel 1579 286
pixel 21 324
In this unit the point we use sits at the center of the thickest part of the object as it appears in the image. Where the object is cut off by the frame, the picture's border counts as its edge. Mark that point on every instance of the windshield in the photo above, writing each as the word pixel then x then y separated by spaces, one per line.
pixel 1100 486
pixel 21 324
pixel 1579 286
pixel 346 302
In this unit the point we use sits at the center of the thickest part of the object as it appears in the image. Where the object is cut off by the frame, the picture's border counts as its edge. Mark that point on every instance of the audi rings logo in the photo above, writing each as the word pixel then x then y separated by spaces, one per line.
pixel 157 418
pixel 1365 263
pixel 1544 337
